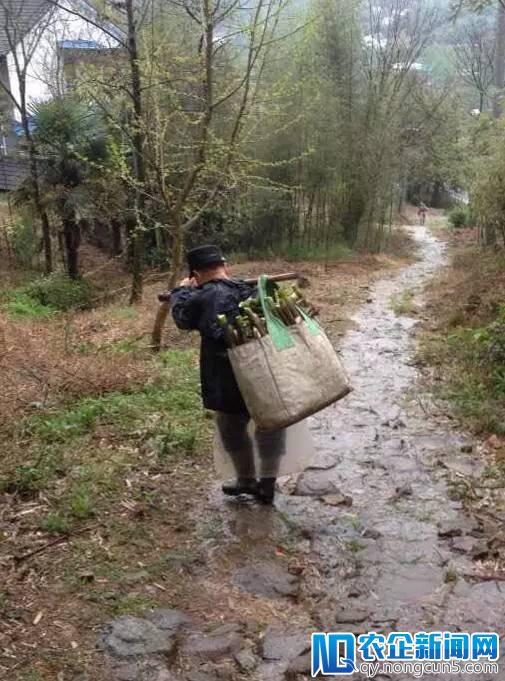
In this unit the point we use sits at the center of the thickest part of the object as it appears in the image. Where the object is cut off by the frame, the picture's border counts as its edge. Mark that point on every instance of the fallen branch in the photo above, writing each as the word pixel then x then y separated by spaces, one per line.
pixel 64 537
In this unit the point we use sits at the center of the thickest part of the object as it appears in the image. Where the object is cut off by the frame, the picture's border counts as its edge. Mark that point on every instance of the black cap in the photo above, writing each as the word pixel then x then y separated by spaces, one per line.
pixel 203 257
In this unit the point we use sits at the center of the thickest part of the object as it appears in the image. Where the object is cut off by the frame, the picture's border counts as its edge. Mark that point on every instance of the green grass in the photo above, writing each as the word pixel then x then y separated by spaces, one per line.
pixel 54 523
pixel 404 303
pixel 297 252
pixel 43 297
pixel 152 427
pixel 19 305
pixel 473 361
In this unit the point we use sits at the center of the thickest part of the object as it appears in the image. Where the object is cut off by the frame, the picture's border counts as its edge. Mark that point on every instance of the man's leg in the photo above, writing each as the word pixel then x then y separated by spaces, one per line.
pixel 271 447
pixel 237 444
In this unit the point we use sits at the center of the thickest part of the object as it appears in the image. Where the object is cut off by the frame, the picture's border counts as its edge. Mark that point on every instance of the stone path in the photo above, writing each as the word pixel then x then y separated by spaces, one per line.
pixel 391 549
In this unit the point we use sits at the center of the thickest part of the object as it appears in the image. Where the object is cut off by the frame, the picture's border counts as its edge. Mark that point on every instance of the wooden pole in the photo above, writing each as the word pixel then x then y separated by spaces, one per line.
pixel 164 308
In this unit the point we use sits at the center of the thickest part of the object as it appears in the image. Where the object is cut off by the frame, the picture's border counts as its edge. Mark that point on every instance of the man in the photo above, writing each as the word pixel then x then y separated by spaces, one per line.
pixel 421 213
pixel 196 304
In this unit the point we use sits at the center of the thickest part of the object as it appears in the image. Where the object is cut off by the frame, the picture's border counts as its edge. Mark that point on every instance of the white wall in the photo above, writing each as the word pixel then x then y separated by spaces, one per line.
pixel 43 78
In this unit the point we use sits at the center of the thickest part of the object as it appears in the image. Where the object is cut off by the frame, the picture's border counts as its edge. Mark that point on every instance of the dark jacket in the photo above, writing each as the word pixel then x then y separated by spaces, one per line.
pixel 196 309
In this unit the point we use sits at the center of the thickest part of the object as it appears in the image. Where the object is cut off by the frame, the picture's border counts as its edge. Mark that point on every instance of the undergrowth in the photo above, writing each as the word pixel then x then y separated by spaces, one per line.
pixel 80 455
pixel 472 363
pixel 45 296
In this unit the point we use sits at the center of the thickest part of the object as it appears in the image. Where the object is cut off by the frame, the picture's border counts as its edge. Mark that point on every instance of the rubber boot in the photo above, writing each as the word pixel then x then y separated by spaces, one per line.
pixel 240 486
pixel 266 490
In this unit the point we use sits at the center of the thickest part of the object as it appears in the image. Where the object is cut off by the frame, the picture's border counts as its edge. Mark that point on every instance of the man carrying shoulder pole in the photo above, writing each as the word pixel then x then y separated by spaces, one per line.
pixel 196 303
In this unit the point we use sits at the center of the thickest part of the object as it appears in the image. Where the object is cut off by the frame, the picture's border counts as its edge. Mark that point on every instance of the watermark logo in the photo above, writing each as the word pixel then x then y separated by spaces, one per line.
pixel 344 653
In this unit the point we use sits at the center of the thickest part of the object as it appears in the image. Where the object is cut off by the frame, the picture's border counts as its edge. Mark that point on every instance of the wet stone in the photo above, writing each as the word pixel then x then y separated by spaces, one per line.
pixel 300 665
pixel 371 533
pixel 463 544
pixel 167 619
pixel 201 676
pixel 267 579
pixel 402 492
pixel 280 644
pixel 314 485
pixel 212 646
pixel 246 660
pixel 352 615
pixel 128 636
pixel 337 499
pixel 144 670
pixel 324 462
pixel 449 529
pixel 272 671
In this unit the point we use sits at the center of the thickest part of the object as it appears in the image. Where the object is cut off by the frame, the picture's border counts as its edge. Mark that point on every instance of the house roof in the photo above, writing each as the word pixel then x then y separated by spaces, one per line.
pixel 17 18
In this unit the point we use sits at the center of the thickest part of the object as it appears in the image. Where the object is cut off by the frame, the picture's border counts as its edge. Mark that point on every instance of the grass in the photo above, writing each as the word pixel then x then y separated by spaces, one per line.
pixel 20 306
pixel 71 453
pixel 298 251
pixel 45 296
pixel 467 346
pixel 404 303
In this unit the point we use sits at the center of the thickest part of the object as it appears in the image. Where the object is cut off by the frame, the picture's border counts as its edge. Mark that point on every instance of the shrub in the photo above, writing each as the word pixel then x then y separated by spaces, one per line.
pixel 19 305
pixel 25 243
pixel 59 292
pixel 459 217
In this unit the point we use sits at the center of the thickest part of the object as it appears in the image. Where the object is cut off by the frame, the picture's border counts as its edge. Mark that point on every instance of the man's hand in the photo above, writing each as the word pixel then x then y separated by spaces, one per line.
pixel 189 281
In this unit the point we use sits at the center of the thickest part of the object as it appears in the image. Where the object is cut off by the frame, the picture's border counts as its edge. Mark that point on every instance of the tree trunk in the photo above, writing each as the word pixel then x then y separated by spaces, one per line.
pixel 72 239
pixel 116 241
pixel 177 256
pixel 499 60
pixel 34 178
pixel 137 237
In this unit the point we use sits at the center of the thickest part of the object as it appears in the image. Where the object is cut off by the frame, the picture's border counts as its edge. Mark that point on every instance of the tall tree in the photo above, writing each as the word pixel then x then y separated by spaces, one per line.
pixel 23 26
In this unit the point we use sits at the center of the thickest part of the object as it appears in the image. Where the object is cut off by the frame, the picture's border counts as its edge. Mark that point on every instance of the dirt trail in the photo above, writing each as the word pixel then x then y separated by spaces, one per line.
pixel 403 556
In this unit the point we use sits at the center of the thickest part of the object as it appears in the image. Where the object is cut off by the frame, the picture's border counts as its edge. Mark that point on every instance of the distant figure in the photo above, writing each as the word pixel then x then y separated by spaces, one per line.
pixel 421 213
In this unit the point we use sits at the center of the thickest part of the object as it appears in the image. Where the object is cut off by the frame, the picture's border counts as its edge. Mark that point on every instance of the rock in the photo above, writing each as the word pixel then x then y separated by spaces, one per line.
pixel 352 615
pixel 395 423
pixel 201 676
pixel 129 636
pixel 150 669
pixel 480 550
pixel 279 644
pixel 324 462
pixel 354 592
pixel 267 579
pixel 226 628
pixel 246 660
pixel 211 646
pixel 134 577
pixel 371 533
pixel 463 544
pixel 168 619
pixel 337 499
pixel 272 671
pixel 402 492
pixel 300 665
pixel 447 530
pixel 466 449
pixel 314 485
